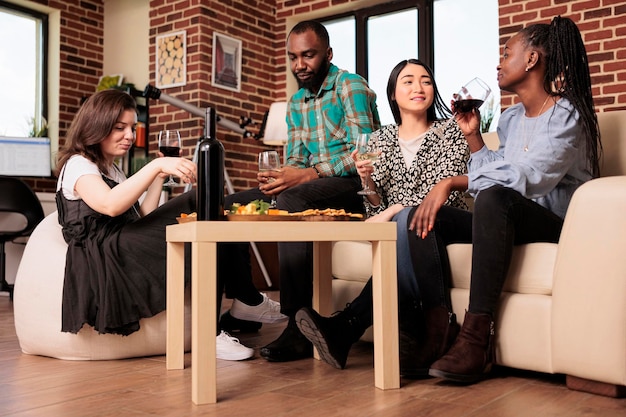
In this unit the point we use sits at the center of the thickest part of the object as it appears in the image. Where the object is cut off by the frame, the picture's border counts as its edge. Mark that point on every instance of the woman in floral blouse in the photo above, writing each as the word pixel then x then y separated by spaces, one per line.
pixel 416 153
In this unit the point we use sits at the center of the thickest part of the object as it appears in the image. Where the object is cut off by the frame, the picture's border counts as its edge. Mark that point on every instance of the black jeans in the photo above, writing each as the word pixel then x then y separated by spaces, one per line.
pixel 502 218
pixel 295 258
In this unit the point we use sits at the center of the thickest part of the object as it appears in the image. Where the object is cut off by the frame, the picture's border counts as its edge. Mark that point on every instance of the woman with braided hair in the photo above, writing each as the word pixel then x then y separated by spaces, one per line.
pixel 549 146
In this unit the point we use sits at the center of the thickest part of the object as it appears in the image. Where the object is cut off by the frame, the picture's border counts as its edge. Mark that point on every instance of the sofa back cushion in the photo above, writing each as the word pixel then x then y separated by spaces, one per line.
pixel 531 270
pixel 613 131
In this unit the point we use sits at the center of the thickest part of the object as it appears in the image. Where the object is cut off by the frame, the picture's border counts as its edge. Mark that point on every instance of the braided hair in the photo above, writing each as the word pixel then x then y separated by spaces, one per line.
pixel 567 75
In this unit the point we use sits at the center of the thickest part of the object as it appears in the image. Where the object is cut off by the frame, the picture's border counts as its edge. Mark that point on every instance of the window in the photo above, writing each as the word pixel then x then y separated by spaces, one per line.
pixel 23 106
pixel 372 41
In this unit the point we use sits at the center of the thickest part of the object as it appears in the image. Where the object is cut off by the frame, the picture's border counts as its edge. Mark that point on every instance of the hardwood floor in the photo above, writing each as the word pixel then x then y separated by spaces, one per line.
pixel 39 386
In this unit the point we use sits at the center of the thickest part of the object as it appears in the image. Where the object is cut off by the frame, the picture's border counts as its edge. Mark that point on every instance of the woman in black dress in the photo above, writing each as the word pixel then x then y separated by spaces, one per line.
pixel 115 264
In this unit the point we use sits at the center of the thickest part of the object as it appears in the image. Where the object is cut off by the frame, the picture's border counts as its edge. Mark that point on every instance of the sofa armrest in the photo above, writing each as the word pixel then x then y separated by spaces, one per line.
pixel 589 293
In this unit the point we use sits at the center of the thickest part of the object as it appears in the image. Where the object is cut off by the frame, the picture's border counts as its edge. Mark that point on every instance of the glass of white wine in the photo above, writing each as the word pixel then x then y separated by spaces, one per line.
pixel 366 150
pixel 270 161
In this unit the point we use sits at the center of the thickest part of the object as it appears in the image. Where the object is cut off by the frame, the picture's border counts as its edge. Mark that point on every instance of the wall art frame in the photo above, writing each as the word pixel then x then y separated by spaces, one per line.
pixel 226 62
pixel 171 59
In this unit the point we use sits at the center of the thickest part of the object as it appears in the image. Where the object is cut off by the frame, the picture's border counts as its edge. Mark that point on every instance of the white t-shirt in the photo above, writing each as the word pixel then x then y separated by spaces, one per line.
pixel 409 148
pixel 76 167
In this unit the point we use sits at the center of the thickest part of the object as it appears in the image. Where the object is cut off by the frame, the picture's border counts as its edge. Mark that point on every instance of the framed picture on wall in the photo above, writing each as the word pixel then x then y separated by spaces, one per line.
pixel 171 59
pixel 226 62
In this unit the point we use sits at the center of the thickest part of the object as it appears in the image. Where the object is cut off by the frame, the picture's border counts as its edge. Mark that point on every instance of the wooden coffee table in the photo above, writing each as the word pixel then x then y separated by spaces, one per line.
pixel 204 237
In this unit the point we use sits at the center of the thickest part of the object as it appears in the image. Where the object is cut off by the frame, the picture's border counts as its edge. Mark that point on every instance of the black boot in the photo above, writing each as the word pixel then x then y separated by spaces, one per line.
pixel 440 331
pixel 291 345
pixel 230 324
pixel 332 336
pixel 471 356
pixel 410 331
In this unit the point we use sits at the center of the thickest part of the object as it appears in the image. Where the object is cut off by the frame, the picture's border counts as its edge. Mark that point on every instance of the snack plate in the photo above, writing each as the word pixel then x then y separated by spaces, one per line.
pixel 267 217
pixel 259 218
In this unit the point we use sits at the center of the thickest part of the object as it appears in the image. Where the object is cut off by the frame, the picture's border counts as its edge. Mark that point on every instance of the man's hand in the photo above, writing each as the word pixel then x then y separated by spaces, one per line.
pixel 275 182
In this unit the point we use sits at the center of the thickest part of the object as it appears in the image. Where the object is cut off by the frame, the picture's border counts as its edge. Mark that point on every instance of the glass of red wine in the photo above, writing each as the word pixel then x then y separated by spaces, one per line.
pixel 471 96
pixel 169 145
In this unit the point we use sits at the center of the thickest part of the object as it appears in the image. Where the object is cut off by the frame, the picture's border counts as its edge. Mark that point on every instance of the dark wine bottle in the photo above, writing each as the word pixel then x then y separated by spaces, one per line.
pixel 210 186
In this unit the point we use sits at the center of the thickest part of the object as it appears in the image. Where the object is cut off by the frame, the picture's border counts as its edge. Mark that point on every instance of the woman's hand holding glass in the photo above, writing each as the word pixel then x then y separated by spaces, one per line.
pixel 169 145
pixel 181 168
pixel 469 98
pixel 364 155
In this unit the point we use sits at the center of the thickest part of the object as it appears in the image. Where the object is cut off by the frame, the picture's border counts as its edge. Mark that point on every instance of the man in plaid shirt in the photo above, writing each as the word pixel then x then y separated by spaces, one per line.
pixel 324 118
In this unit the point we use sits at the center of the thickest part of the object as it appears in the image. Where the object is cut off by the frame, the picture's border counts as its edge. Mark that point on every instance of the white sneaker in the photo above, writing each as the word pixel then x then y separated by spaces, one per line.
pixel 228 348
pixel 266 312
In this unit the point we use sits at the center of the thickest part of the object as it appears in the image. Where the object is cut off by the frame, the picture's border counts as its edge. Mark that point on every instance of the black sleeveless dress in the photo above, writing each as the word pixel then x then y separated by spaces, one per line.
pixel 115 266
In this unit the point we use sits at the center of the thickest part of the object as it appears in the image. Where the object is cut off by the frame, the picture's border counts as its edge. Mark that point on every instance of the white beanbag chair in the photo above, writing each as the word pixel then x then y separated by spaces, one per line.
pixel 37 309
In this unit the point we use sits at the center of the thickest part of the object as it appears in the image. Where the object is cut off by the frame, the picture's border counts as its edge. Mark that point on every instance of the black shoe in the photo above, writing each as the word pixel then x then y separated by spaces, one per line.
pixel 291 345
pixel 230 324
pixel 410 366
pixel 331 336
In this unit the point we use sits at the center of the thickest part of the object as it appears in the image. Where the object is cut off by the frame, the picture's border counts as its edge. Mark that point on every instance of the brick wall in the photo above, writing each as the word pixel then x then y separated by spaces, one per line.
pixel 82 27
pixel 603 26
pixel 254 23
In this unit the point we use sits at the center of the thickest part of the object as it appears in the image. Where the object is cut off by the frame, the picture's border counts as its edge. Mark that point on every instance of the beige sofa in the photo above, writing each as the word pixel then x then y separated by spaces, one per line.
pixel 564 305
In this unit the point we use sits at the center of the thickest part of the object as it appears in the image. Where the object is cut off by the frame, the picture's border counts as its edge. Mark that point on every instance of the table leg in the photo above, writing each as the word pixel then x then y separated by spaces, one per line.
pixel 385 299
pixel 322 281
pixel 322 278
pixel 175 306
pixel 203 322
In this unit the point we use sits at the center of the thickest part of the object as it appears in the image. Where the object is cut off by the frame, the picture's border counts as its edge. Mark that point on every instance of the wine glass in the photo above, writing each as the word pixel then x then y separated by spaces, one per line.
pixel 471 96
pixel 366 150
pixel 270 161
pixel 169 145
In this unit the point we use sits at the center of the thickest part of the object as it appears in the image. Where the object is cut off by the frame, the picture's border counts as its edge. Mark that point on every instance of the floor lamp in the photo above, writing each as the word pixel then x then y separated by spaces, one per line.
pixel 275 133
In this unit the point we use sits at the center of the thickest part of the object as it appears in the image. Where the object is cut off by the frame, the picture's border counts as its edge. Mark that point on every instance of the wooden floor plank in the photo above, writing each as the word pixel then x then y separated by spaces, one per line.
pixel 33 386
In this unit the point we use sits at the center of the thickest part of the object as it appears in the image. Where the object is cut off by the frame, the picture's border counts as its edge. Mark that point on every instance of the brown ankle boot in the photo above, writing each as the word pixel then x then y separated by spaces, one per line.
pixel 441 329
pixel 470 358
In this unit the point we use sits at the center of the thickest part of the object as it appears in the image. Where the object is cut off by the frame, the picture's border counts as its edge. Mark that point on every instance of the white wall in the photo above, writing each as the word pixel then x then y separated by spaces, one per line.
pixel 127 40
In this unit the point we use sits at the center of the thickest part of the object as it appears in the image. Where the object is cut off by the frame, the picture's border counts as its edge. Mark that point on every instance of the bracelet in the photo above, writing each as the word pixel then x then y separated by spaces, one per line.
pixel 316 171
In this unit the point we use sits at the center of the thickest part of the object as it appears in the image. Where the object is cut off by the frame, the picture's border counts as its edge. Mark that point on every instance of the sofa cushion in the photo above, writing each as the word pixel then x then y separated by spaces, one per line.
pixel 352 261
pixel 533 276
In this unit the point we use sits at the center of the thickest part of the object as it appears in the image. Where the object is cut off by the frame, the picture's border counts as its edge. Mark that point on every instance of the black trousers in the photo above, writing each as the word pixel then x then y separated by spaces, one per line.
pixel 502 218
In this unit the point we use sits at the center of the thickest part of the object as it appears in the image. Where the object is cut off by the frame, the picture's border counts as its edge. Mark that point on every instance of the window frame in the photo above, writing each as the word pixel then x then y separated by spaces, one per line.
pixel 42 71
pixel 425 18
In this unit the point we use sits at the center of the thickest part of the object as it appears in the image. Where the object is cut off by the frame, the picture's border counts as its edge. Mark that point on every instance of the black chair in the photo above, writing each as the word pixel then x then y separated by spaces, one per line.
pixel 20 212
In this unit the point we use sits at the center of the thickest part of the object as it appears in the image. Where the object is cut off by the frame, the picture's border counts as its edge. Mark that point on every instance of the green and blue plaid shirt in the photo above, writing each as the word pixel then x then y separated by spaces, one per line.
pixel 323 127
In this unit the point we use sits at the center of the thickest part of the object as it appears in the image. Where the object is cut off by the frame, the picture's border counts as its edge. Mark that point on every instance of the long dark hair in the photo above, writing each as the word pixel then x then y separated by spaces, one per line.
pixel 93 122
pixel 567 75
pixel 436 111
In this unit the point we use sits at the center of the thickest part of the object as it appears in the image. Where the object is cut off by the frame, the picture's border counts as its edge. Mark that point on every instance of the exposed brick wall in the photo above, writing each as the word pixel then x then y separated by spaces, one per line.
pixel 603 26
pixel 82 28
pixel 254 23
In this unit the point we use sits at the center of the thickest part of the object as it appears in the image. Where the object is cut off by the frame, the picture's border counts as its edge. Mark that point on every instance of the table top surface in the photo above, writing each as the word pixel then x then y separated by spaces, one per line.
pixel 280 231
